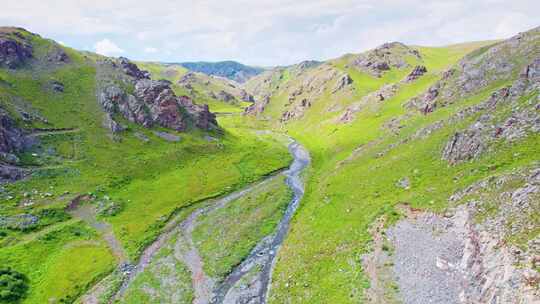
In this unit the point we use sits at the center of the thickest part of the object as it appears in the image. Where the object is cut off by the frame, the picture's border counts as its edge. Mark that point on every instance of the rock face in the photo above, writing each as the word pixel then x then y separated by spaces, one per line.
pixel 132 69
pixel 385 57
pixel 418 71
pixel 480 69
pixel 258 107
pixel 463 146
pixel 155 103
pixel 14 50
pixel 466 256
pixel 12 139
pixel 523 119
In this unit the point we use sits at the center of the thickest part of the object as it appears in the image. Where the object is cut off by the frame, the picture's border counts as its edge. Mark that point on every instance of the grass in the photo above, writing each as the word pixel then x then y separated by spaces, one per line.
pixel 60 264
pixel 226 236
pixel 152 181
pixel 320 259
pixel 166 280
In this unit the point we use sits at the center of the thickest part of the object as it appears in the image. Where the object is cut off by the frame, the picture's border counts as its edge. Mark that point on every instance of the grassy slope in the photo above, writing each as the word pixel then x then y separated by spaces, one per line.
pixel 173 73
pixel 151 180
pixel 320 260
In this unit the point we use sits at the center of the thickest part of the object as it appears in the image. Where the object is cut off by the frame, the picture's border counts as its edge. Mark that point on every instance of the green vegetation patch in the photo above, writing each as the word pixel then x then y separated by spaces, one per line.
pixel 227 235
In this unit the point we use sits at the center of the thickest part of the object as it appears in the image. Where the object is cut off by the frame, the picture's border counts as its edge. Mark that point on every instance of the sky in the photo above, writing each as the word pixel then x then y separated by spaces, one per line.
pixel 263 32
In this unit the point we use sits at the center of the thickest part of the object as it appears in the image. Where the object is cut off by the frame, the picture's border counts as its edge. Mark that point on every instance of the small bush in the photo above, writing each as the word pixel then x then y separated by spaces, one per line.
pixel 13 285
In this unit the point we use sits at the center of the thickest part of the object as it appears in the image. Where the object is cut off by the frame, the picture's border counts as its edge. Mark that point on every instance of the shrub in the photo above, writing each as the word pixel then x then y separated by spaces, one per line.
pixel 13 285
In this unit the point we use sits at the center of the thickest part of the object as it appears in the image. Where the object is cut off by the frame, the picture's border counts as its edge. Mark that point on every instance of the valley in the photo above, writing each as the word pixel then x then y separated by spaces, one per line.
pixel 403 174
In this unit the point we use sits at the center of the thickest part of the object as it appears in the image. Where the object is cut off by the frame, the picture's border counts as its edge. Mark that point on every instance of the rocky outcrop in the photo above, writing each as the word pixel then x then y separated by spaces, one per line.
pixel 131 69
pixel 155 103
pixel 342 82
pixel 523 119
pixel 12 138
pixel 463 146
pixel 384 93
pixel 225 96
pixel 57 55
pixel 245 96
pixel 14 49
pixel 416 73
pixel 151 103
pixel 384 58
pixel 480 69
pixel 258 107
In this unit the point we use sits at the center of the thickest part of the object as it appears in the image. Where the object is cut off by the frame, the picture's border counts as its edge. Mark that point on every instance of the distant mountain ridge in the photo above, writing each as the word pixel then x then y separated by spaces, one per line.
pixel 229 69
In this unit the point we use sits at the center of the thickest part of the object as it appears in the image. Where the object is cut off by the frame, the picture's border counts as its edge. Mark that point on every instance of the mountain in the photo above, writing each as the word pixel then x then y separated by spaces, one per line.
pixel 95 156
pixel 402 174
pixel 229 69
pixel 424 185
pixel 221 94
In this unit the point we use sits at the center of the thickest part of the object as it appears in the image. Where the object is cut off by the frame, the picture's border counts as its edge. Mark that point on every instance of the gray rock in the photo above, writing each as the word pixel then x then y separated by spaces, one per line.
pixel 14 51
pixel 168 136
pixel 463 146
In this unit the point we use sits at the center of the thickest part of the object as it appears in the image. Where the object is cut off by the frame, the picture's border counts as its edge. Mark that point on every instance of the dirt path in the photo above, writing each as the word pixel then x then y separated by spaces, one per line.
pixel 87 212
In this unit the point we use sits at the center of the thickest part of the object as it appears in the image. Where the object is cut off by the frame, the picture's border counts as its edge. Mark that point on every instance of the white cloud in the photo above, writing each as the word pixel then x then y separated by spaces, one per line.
pixel 107 47
pixel 150 50
pixel 266 32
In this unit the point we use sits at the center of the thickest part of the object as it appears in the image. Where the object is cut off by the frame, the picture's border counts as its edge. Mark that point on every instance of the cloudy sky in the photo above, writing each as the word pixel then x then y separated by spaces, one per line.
pixel 264 32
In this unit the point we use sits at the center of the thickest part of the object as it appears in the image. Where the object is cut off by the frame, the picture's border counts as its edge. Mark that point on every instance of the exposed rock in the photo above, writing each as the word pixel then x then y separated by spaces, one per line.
pixel 385 57
pixel 9 173
pixel 12 139
pixel 522 119
pixel 245 96
pixel 467 260
pixel 342 82
pixel 57 86
pixel 257 107
pixel 111 124
pixel 416 73
pixel 58 55
pixel 132 69
pixel 463 146
pixel 141 136
pixel 168 136
pixel 482 68
pixel 19 222
pixel 155 103
pixel 13 52
pixel 114 99
pixel 225 96
pixel 404 183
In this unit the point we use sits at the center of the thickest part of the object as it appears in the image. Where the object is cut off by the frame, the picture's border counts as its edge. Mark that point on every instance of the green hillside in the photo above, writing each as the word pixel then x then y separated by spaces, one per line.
pixel 359 162
pixel 136 181
pixel 403 174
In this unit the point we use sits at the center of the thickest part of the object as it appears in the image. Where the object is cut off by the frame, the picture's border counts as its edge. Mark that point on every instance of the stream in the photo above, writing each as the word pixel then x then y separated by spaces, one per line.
pixel 250 281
